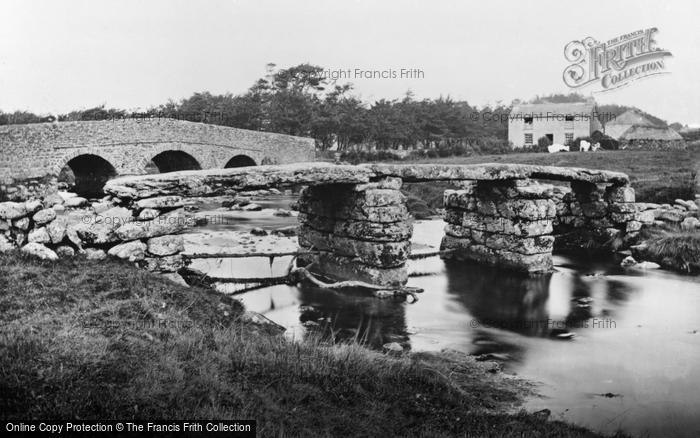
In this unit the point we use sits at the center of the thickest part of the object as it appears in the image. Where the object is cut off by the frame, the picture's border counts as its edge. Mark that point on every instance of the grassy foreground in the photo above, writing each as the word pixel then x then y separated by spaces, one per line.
pixel 102 340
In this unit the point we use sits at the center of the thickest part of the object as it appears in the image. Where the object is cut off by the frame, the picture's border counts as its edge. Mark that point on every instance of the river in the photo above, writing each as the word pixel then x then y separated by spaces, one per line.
pixel 609 348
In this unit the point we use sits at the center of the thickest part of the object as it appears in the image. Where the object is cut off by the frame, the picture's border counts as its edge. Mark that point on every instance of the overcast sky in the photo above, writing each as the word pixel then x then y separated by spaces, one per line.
pixel 56 56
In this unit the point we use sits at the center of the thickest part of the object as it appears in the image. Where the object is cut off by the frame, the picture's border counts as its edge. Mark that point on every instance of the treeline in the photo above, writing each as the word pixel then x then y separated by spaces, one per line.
pixel 22 117
pixel 300 101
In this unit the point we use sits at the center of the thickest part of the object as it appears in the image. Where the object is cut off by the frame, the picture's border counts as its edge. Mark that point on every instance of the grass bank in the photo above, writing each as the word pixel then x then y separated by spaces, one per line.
pixel 88 340
pixel 657 176
pixel 671 248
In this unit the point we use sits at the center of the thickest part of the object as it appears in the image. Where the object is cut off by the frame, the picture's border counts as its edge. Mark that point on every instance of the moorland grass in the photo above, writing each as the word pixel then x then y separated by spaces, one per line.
pixel 671 248
pixel 84 339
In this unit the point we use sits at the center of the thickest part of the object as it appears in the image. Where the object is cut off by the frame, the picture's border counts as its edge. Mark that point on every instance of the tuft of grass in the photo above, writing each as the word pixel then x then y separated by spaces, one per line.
pixel 95 340
pixel 672 248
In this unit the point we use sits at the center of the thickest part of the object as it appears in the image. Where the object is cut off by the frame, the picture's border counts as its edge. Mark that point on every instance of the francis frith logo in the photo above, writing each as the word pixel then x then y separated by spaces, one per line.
pixel 616 62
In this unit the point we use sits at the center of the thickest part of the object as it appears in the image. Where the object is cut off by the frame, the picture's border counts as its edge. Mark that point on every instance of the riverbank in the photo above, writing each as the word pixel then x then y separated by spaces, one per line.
pixel 94 340
pixel 674 249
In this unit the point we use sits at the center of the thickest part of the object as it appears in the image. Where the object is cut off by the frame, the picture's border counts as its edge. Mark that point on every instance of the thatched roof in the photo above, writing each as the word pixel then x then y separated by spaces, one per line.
pixel 633 125
pixel 650 133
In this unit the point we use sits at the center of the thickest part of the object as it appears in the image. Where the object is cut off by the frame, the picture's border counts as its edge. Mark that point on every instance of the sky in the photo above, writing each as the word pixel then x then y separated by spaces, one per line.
pixel 61 55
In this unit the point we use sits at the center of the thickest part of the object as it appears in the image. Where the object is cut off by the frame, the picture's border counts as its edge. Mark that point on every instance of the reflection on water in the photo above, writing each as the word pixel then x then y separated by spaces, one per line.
pixel 612 348
pixel 513 302
pixel 352 315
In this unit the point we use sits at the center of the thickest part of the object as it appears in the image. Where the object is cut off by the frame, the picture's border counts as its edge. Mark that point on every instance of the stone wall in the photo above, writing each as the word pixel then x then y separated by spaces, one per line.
pixel 29 188
pixel 652 145
pixel 354 231
pixel 505 223
pixel 143 232
pixel 36 150
pixel 359 231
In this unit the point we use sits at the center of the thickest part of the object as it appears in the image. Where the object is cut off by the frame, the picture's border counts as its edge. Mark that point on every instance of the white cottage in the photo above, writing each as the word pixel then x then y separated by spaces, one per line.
pixel 559 122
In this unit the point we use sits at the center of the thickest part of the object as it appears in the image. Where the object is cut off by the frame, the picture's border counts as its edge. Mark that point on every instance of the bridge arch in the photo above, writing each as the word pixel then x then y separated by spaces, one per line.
pixel 87 173
pixel 174 160
pixel 240 161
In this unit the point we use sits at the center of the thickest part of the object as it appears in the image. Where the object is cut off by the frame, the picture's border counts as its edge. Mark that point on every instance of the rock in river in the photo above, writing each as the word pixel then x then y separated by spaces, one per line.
pixel 165 245
pixel 163 225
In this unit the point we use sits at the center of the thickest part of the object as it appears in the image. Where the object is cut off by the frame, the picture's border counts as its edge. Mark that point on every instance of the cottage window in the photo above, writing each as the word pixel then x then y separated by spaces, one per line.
pixel 569 121
pixel 528 138
pixel 569 136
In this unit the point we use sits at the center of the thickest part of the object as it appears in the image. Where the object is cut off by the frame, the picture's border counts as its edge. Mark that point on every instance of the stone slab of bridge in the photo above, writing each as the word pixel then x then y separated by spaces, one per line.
pixel 356 221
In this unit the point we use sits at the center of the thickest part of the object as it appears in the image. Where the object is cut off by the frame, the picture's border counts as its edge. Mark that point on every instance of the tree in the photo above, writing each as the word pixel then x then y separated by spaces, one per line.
pixel 676 126
pixel 559 98
pixel 20 117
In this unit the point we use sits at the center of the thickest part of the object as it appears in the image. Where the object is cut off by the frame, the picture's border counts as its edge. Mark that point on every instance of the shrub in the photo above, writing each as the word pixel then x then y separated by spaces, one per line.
pixel 543 142
pixel 491 145
pixel 417 154
pixel 459 150
pixel 606 142
pixel 444 151
pixel 356 157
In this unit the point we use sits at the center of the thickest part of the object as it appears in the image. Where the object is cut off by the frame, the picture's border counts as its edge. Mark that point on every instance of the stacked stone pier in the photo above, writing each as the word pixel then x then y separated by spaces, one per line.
pixel 354 223
pixel 360 231
pixel 506 223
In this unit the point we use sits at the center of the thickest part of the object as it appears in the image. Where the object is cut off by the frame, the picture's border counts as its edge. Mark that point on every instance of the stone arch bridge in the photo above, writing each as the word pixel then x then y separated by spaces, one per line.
pixel 96 151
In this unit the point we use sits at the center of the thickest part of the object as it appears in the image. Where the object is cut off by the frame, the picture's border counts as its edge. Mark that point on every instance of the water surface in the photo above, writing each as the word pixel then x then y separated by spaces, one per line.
pixel 610 348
